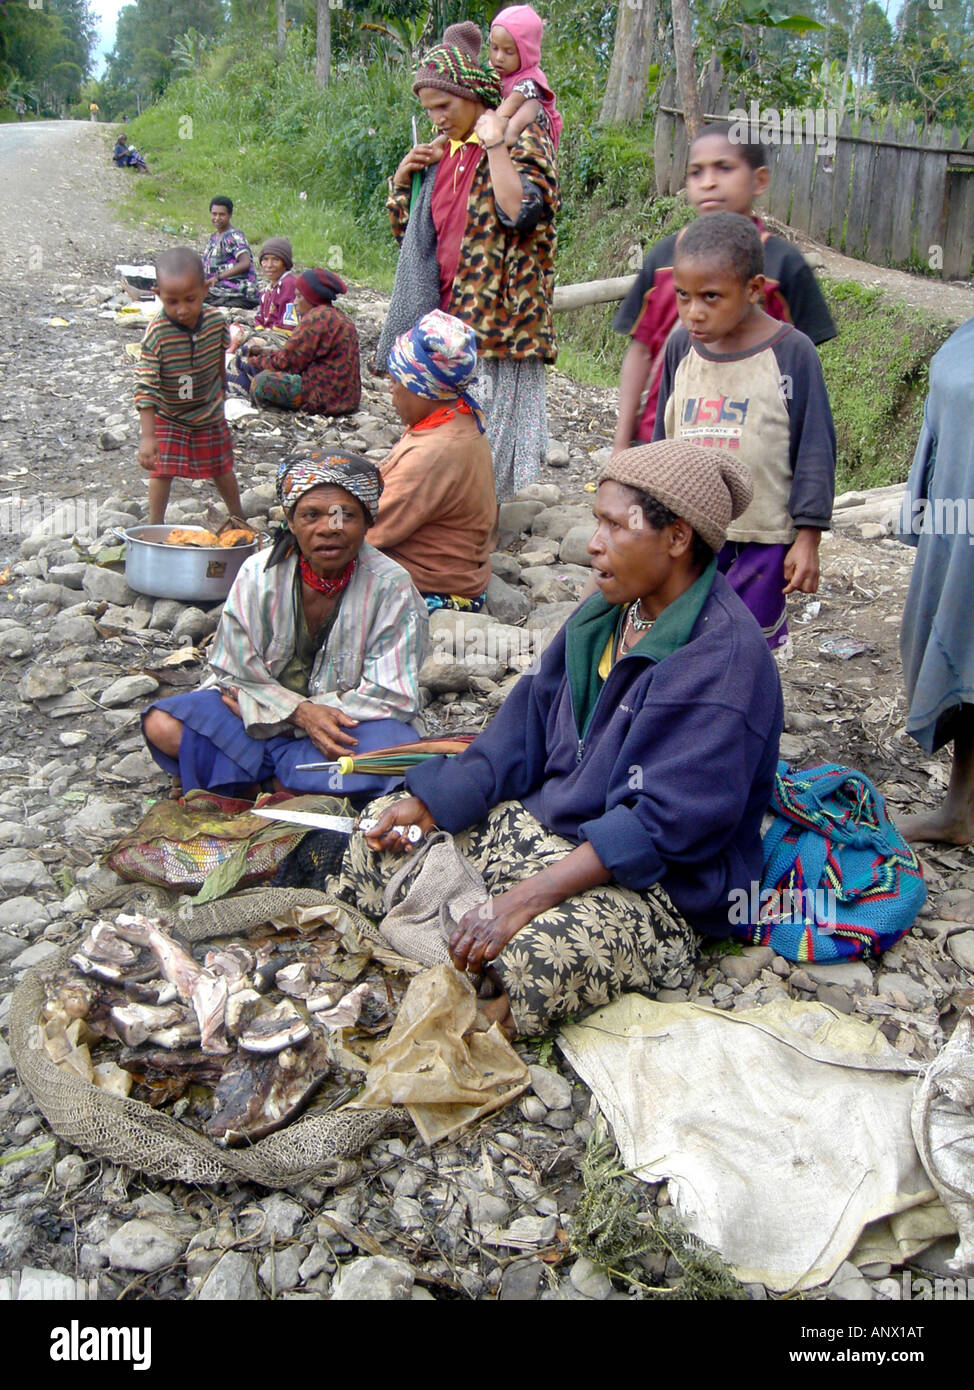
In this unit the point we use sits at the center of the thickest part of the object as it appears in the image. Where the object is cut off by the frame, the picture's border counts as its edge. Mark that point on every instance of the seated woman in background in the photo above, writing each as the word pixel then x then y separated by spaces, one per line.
pixel 275 316
pixel 276 308
pixel 438 515
pixel 228 263
pixel 317 653
pixel 317 370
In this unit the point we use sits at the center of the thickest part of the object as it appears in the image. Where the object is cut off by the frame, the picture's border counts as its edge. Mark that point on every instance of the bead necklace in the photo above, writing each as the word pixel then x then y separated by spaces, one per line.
pixel 633 618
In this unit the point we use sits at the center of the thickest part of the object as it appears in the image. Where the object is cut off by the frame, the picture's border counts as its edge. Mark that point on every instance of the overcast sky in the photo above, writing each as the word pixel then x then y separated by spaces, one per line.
pixel 106 13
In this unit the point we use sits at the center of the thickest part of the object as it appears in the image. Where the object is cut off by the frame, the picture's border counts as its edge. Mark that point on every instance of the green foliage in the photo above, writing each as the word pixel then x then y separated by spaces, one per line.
pixel 143 61
pixel 45 52
pixel 273 134
pixel 596 242
pixel 929 69
pixel 876 373
pixel 610 1230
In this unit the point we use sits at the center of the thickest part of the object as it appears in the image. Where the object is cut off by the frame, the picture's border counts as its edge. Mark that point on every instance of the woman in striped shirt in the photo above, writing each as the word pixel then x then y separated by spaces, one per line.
pixel 317 653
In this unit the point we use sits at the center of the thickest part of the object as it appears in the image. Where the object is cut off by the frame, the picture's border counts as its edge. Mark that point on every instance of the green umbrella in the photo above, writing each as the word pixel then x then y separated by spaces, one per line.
pixel 396 760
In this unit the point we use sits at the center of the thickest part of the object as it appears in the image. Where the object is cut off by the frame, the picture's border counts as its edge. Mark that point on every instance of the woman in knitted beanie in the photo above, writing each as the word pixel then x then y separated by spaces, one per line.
pixel 614 803
pixel 475 223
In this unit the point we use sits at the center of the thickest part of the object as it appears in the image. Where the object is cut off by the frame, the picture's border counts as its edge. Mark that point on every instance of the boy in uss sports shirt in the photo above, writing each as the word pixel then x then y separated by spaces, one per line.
pixel 734 378
pixel 723 175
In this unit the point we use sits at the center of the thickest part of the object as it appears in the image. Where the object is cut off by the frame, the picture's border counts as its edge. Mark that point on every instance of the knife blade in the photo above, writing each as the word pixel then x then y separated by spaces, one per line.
pixel 344 825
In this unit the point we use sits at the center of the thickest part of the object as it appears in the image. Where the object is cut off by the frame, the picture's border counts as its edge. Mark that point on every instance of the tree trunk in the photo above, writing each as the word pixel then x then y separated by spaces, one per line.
pixel 686 68
pixel 281 28
pixel 323 44
pixel 625 90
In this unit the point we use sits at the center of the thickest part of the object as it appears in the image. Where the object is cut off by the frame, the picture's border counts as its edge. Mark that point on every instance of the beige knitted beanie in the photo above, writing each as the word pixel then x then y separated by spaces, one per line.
pixel 707 487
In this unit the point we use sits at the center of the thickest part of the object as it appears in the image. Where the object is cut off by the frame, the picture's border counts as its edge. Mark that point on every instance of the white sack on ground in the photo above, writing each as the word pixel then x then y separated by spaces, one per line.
pixel 783 1131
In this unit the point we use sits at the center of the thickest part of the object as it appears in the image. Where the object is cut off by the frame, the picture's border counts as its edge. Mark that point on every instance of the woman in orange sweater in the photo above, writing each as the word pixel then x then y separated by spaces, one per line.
pixel 438 515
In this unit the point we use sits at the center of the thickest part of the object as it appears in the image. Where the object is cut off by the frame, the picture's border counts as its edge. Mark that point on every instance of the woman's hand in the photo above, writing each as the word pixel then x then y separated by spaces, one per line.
pixel 420 157
pixel 490 128
pixel 231 699
pixel 409 811
pixel 484 931
pixel 326 728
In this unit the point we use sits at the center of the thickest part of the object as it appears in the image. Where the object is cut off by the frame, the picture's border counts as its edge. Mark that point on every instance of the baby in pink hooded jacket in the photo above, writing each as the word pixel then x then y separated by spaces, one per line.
pixel 515 51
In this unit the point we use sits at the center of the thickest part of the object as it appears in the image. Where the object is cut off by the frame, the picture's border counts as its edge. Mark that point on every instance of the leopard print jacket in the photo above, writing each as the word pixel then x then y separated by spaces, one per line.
pixel 506 274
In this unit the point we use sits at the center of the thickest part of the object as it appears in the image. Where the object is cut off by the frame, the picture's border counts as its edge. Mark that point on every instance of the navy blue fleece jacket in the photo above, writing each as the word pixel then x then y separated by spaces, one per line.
pixel 666 769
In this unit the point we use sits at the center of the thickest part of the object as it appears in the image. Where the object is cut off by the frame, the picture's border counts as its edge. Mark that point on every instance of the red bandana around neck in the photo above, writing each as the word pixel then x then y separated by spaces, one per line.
pixel 326 586
pixel 444 413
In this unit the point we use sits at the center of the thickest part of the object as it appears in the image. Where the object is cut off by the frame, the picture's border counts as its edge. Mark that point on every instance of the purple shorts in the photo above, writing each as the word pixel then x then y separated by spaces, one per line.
pixel 756 573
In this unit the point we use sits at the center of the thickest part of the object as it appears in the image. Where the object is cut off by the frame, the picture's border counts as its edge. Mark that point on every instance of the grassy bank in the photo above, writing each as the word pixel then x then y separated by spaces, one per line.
pixel 313 164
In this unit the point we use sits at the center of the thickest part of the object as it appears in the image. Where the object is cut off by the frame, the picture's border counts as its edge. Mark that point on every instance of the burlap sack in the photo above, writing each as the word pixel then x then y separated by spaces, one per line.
pixel 444 885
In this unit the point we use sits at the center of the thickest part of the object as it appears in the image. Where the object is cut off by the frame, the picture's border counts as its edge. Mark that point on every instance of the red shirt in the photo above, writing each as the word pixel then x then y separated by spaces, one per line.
pixel 451 194
pixel 649 313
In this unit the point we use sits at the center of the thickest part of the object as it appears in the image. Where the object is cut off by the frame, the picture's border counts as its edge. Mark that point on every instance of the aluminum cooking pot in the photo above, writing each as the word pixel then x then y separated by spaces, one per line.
pixel 190 573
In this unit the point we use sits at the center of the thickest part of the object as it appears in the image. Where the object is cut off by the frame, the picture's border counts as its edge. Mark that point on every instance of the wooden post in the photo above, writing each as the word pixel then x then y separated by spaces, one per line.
pixel 862 185
pixel 905 214
pixel 841 183
pixel 960 209
pixel 888 188
pixel 664 136
pixel 323 43
pixel 686 68
pixel 931 195
pixel 591 292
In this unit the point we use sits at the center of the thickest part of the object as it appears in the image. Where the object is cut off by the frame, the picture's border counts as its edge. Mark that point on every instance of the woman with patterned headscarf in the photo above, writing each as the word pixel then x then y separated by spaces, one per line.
pixel 317 369
pixel 317 653
pixel 478 241
pixel 438 514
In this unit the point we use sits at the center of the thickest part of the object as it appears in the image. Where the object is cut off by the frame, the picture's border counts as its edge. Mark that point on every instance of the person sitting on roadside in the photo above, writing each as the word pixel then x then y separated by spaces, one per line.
pixel 126 156
pixel 614 803
pixel 317 653
pixel 317 370
pixel 438 515
pixel 276 315
pixel 227 260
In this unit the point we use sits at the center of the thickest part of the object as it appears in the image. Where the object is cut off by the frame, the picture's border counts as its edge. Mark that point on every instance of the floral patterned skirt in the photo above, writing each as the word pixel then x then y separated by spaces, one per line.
pixel 512 393
pixel 573 958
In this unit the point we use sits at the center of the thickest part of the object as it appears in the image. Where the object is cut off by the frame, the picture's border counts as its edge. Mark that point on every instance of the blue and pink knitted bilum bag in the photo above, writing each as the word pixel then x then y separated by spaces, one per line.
pixel 839 881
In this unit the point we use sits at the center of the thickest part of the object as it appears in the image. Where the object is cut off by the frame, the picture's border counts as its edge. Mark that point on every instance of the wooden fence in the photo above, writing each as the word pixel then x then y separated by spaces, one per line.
pixel 887 194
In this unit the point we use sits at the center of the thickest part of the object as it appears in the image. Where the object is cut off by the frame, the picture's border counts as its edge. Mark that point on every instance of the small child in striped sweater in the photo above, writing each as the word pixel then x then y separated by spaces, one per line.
pixel 180 387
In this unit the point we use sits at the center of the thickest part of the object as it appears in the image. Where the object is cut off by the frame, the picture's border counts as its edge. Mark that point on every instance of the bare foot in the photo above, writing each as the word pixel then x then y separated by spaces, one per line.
pixel 948 825
pixel 499 1011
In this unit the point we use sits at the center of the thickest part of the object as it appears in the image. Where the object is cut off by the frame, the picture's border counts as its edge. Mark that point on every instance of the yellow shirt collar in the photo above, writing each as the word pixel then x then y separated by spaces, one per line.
pixel 456 145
